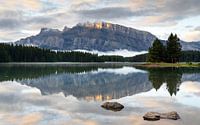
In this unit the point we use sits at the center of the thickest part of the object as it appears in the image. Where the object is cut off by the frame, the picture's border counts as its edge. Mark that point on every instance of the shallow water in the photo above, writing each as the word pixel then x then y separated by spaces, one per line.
pixel 72 94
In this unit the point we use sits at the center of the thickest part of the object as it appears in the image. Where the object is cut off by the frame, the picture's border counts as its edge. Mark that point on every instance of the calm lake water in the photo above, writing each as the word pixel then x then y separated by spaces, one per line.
pixel 72 94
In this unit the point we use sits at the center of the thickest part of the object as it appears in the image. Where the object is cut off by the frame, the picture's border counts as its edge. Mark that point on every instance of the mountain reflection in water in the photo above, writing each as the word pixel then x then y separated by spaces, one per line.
pixel 98 82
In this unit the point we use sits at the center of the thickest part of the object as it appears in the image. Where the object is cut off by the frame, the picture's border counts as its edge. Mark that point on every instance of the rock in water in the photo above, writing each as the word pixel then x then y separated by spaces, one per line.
pixel 114 106
pixel 154 116
pixel 170 115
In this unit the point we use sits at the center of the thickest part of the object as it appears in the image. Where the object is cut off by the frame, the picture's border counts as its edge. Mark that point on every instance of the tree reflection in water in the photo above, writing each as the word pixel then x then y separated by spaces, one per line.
pixel 170 76
pixel 87 82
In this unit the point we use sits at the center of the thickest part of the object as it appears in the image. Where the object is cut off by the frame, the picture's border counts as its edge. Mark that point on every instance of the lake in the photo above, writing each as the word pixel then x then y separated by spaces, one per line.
pixel 72 94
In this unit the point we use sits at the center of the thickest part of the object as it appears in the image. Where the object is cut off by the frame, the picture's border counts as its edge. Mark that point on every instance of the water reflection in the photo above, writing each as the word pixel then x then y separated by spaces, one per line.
pixel 173 77
pixel 99 85
pixel 98 82
pixel 56 95
pixel 170 76
pixel 23 105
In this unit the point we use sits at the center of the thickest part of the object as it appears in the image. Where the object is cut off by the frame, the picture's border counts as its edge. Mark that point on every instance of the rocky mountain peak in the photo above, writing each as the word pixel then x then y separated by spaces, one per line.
pixel 46 30
pixel 111 26
pixel 101 36
pixel 96 25
pixel 66 29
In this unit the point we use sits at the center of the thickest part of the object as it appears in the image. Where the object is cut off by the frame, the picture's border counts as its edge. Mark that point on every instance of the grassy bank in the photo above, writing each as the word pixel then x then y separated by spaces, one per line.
pixel 170 64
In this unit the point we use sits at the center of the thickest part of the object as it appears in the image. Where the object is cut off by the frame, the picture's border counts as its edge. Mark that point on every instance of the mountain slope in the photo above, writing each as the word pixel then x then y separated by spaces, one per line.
pixel 190 45
pixel 92 36
pixel 99 36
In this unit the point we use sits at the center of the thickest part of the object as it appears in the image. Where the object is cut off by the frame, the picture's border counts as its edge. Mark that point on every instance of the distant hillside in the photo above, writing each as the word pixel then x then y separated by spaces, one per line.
pixel 92 36
pixel 99 36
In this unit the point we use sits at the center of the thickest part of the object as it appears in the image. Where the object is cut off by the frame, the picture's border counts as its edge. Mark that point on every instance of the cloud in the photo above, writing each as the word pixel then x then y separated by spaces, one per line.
pixel 182 8
pixel 188 26
pixel 197 28
pixel 9 35
pixel 14 22
pixel 20 15
pixel 15 18
pixel 10 19
pixel 109 13
pixel 106 13
pixel 167 11
pixel 164 20
pixel 145 12
pixel 192 36
pixel 39 20
pixel 33 5
pixel 29 119
pixel 83 1
pixel 9 23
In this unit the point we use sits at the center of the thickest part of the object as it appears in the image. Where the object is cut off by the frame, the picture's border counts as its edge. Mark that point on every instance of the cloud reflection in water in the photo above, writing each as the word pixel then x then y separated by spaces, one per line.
pixel 21 104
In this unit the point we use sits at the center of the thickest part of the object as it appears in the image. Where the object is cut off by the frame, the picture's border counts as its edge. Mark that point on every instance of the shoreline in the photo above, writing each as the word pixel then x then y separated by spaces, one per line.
pixel 74 64
pixel 134 64
pixel 165 65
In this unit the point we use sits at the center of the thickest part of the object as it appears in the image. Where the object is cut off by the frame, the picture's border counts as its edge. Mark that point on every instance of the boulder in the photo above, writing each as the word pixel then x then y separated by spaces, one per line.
pixel 154 116
pixel 114 106
pixel 170 115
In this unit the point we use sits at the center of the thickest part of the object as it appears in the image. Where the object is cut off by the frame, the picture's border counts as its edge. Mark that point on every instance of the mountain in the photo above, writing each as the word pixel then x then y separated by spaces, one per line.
pixel 99 36
pixel 190 45
pixel 92 36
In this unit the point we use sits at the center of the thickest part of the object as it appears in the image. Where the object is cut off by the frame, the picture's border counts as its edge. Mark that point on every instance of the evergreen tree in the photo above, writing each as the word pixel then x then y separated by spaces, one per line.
pixel 4 56
pixel 171 53
pixel 173 49
pixel 156 52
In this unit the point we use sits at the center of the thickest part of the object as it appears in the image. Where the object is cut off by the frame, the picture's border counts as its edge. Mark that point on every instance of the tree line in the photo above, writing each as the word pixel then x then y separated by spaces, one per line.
pixel 19 53
pixel 186 56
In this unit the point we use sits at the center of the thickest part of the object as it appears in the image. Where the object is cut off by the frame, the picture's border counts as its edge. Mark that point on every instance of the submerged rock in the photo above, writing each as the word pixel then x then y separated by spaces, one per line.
pixel 154 116
pixel 114 106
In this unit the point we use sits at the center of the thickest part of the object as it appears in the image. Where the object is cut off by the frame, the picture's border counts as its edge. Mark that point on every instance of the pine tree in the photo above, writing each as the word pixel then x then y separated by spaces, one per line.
pixel 4 57
pixel 156 52
pixel 173 49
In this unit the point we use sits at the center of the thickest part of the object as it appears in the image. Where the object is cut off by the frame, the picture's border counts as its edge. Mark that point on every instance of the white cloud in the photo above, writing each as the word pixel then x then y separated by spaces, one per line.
pixel 191 36
pixel 35 14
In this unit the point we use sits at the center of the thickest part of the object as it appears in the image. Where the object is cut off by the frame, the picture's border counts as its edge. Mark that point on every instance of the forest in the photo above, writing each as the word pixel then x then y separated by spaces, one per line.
pixel 19 53
pixel 186 56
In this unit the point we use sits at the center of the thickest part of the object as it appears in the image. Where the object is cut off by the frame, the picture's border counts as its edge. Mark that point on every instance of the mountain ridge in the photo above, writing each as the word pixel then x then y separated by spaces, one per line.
pixel 100 36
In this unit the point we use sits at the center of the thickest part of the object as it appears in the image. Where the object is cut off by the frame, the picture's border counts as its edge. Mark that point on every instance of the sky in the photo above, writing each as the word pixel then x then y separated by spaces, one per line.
pixel 23 18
